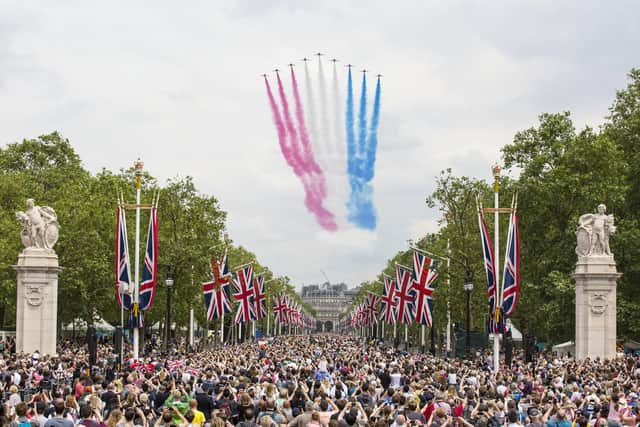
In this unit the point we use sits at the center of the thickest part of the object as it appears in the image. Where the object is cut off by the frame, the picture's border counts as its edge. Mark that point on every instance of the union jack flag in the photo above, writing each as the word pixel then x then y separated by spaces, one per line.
pixel 372 308
pixel 389 301
pixel 511 276
pixel 287 310
pixel 297 315
pixel 425 276
pixel 244 294
pixel 406 295
pixel 279 308
pixel 495 324
pixel 217 300
pixel 363 315
pixel 259 298
pixel 150 270
pixel 123 269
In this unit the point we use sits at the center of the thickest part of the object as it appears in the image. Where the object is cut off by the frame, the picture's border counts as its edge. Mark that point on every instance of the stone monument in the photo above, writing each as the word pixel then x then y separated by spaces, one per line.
pixel 595 277
pixel 37 302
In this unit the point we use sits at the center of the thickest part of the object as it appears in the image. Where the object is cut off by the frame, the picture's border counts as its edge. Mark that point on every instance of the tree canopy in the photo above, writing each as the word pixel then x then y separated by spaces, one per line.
pixel 191 228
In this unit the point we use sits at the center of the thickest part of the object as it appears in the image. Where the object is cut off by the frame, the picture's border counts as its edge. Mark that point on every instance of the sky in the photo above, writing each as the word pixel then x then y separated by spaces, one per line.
pixel 178 84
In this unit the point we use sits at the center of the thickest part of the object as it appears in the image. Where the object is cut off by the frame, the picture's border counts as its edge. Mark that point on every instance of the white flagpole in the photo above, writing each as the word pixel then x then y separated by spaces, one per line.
pixel 422 327
pixel 268 317
pixel 239 332
pixel 191 327
pixel 448 297
pixel 496 258
pixel 222 327
pixel 136 290
pixel 253 329
pixel 383 330
pixel 395 330
pixel 406 335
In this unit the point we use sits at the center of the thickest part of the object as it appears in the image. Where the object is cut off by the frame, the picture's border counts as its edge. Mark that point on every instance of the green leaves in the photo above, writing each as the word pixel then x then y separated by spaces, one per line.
pixel 190 229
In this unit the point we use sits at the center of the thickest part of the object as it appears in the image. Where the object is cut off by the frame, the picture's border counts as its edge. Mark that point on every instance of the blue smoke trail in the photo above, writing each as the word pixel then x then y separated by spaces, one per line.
pixel 351 137
pixel 360 206
pixel 372 143
pixel 362 124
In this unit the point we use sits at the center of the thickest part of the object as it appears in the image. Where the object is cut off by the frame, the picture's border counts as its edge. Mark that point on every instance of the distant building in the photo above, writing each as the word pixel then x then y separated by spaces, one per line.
pixel 329 302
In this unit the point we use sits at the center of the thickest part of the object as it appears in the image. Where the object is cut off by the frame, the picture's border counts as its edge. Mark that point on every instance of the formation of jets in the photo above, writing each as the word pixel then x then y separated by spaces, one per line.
pixel 320 54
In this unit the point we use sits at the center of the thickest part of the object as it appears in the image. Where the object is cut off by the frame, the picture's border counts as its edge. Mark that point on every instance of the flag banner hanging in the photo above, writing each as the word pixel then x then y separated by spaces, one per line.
pixel 495 325
pixel 372 308
pixel 217 298
pixel 389 301
pixel 150 269
pixel 406 295
pixel 424 284
pixel 511 276
pixel 244 294
pixel 279 308
pixel 123 268
pixel 259 298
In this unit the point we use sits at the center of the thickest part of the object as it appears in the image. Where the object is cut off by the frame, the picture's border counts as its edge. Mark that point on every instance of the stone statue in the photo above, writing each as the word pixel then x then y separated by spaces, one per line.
pixel 593 233
pixel 40 226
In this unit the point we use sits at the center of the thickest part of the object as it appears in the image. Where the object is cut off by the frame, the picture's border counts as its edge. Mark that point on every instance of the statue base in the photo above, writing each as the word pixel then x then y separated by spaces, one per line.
pixel 37 302
pixel 595 278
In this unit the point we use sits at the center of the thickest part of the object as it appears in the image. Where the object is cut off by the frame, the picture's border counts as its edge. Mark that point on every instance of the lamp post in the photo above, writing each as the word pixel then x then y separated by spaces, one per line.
pixel 468 287
pixel 167 329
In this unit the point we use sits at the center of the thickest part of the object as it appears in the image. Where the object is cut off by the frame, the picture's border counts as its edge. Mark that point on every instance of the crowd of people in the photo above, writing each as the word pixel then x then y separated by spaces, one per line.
pixel 314 380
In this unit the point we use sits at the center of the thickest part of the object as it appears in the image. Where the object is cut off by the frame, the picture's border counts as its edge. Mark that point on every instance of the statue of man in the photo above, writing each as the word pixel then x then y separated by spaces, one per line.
pixel 39 226
pixel 599 226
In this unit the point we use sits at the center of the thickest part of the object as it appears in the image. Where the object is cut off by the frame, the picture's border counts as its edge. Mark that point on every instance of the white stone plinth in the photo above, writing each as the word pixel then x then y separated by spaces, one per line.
pixel 37 302
pixel 596 278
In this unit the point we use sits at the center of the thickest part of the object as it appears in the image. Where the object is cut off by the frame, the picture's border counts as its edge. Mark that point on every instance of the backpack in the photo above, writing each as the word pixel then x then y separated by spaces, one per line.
pixel 26 423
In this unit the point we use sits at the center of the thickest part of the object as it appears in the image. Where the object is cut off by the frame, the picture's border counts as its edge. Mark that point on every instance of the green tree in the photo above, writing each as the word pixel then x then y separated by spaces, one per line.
pixel 563 174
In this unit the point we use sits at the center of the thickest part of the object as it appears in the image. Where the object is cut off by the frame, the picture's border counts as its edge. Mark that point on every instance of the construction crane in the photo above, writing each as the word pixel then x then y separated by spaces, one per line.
pixel 325 276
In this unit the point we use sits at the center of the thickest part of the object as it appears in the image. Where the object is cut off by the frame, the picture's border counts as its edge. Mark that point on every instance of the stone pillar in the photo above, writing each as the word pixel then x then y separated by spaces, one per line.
pixel 37 302
pixel 596 278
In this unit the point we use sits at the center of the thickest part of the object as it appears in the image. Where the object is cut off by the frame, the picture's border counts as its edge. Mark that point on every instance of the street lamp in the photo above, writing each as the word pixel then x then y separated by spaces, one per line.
pixel 167 329
pixel 468 287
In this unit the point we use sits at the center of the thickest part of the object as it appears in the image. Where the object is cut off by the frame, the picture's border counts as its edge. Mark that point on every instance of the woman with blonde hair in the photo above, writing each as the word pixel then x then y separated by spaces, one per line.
pixel 96 403
pixel 14 397
pixel 267 421
pixel 115 417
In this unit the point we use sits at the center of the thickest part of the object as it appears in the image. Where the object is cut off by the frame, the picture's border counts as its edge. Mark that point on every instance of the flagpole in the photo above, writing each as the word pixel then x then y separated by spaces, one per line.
pixel 406 336
pixel 268 317
pixel 383 330
pixel 448 297
pixel 138 165
pixel 422 327
pixel 496 256
pixel 253 329
pixel 222 326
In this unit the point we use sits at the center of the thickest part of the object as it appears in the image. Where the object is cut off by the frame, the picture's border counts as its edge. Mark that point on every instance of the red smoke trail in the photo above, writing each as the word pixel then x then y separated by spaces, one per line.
pixel 291 131
pixel 295 159
pixel 304 137
pixel 282 132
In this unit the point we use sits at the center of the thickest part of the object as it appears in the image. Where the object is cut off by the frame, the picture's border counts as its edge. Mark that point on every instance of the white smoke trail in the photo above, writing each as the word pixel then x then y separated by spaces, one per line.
pixel 324 131
pixel 310 109
pixel 338 125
